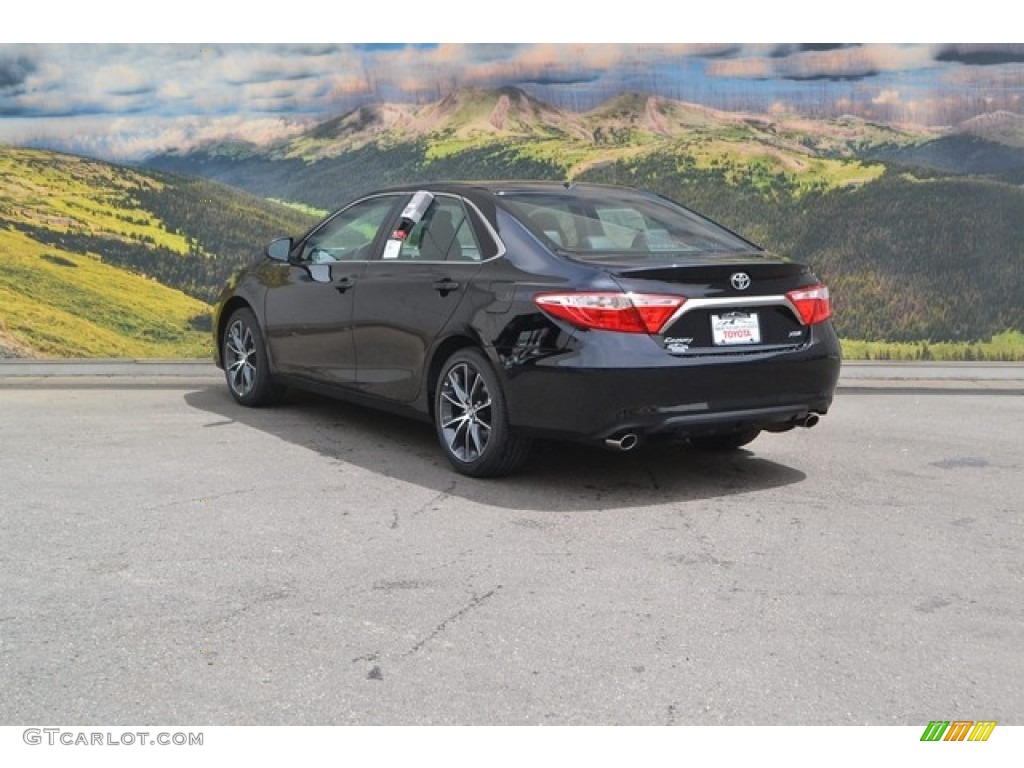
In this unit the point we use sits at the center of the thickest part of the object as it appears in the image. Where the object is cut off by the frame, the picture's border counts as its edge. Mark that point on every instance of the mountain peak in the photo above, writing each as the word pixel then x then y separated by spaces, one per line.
pixel 489 110
pixel 653 114
pixel 1000 127
pixel 369 119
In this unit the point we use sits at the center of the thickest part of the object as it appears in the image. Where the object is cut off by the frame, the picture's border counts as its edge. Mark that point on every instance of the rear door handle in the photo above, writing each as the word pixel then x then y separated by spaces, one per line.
pixel 445 286
pixel 343 284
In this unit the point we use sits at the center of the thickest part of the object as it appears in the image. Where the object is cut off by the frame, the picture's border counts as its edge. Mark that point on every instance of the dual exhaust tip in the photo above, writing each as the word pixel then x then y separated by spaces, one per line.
pixel 629 440
pixel 624 442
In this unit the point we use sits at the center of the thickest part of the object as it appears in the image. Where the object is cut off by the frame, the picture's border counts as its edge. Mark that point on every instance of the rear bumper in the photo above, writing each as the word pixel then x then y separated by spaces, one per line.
pixel 576 394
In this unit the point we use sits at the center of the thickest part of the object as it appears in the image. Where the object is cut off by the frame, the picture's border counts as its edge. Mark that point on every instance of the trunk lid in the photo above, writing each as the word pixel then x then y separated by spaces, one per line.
pixel 734 304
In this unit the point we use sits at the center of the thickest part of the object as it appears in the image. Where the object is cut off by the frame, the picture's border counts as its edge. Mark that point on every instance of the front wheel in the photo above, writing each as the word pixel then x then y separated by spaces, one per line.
pixel 471 418
pixel 246 366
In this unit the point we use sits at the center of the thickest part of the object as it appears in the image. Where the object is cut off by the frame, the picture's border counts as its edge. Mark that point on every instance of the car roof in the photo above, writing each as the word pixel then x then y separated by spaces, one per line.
pixel 500 187
pixel 484 194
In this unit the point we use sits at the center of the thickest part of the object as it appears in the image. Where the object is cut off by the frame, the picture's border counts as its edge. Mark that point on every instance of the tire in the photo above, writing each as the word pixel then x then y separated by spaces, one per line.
pixel 246 366
pixel 726 442
pixel 471 418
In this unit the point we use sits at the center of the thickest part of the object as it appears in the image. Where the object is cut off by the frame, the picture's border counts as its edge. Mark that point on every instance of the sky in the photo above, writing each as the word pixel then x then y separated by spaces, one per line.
pixel 124 101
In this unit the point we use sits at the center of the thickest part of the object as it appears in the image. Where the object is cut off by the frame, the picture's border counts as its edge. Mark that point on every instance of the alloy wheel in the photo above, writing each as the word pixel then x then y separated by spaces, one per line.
pixel 240 347
pixel 465 412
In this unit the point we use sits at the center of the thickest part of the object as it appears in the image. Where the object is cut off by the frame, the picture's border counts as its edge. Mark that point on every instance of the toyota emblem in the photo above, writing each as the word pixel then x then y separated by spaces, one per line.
pixel 740 281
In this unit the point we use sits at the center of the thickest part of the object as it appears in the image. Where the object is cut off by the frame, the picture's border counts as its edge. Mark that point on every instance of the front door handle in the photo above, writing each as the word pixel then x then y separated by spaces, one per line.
pixel 445 286
pixel 343 284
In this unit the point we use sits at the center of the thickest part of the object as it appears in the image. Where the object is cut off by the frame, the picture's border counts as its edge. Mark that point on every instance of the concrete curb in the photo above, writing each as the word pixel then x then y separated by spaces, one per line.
pixel 856 374
pixel 105 367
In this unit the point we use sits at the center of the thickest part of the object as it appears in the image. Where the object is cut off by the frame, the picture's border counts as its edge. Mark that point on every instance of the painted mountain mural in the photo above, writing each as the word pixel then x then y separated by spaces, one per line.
pixel 917 225
pixel 101 260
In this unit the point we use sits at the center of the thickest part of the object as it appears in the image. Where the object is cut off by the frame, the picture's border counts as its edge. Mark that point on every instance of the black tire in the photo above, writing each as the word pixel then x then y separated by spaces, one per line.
pixel 471 418
pixel 246 367
pixel 727 442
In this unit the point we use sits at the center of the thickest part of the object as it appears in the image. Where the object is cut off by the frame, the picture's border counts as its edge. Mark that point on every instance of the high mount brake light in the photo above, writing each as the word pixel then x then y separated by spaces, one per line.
pixel 812 303
pixel 610 311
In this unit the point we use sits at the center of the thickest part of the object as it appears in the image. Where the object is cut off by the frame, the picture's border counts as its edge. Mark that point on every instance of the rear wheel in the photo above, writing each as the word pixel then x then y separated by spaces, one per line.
pixel 246 366
pixel 471 418
pixel 726 442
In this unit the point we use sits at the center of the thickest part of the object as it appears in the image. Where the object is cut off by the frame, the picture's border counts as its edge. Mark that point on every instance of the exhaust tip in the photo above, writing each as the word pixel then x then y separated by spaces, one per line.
pixel 626 442
pixel 810 420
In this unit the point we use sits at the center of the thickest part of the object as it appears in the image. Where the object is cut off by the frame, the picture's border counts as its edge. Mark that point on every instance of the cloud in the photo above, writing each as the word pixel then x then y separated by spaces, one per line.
pixel 14 71
pixel 176 92
pixel 831 62
pixel 886 97
pixel 722 52
pixel 134 137
pixel 122 80
pixel 825 46
pixel 981 55
pixel 272 64
pixel 566 78
pixel 782 51
pixel 219 80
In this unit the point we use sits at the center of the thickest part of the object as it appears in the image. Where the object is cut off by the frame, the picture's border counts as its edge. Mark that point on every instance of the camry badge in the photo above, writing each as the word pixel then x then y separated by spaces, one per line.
pixel 677 346
pixel 740 281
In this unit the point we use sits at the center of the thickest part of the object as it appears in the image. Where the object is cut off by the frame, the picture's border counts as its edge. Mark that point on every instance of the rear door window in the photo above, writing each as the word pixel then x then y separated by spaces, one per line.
pixel 443 234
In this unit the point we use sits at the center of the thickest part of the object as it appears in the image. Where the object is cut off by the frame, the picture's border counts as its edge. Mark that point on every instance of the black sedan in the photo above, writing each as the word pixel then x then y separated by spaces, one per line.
pixel 502 312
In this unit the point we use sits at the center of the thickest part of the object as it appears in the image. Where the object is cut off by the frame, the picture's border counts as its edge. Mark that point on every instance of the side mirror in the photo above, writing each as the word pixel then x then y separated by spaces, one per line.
pixel 279 249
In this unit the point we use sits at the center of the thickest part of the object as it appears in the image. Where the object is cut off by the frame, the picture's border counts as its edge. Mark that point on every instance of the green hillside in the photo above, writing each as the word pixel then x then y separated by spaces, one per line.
pixel 103 260
pixel 57 303
pixel 913 253
pixel 505 133
pixel 907 259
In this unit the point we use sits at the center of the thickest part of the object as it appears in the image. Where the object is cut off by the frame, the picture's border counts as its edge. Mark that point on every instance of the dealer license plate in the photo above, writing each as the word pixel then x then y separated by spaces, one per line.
pixel 735 328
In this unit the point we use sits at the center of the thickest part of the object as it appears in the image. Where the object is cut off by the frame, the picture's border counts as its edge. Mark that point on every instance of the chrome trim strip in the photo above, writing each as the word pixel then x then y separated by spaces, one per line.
pixel 732 301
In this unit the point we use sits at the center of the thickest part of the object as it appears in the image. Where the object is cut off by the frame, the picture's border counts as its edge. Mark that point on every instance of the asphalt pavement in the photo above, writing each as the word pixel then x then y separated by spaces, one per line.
pixel 169 557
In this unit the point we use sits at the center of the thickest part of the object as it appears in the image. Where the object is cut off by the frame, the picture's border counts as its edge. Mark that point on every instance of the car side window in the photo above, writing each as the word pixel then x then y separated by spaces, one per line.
pixel 558 224
pixel 443 234
pixel 347 236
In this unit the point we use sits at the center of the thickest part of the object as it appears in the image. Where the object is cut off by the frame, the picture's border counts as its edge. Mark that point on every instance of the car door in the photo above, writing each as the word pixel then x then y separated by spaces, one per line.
pixel 309 300
pixel 408 294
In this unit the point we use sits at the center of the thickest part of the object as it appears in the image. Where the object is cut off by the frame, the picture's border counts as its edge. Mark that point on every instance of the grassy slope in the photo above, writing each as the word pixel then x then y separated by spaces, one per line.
pixel 738 153
pixel 104 260
pixel 57 303
pixel 60 304
pixel 68 193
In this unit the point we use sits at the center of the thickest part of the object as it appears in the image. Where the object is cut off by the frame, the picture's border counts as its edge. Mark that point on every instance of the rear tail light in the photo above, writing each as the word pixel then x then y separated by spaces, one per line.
pixel 623 312
pixel 811 303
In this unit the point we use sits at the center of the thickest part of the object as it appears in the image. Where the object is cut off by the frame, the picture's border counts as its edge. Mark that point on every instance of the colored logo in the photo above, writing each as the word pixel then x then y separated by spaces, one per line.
pixel 958 730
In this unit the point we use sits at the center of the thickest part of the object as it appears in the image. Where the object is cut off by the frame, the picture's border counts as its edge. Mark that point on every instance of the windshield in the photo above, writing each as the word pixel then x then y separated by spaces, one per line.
pixel 613 224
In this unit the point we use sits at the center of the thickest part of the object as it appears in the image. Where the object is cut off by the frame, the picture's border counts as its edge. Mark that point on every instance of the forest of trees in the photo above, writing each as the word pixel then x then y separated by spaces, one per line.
pixel 916 255
pixel 224 228
pixel 906 258
pixel 922 256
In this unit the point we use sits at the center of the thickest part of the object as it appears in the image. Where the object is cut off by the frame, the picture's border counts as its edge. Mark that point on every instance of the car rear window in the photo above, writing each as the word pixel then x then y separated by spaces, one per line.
pixel 641 227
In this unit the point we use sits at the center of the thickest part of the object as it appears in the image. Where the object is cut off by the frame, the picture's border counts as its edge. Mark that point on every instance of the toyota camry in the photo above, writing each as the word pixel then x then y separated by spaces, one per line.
pixel 505 312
